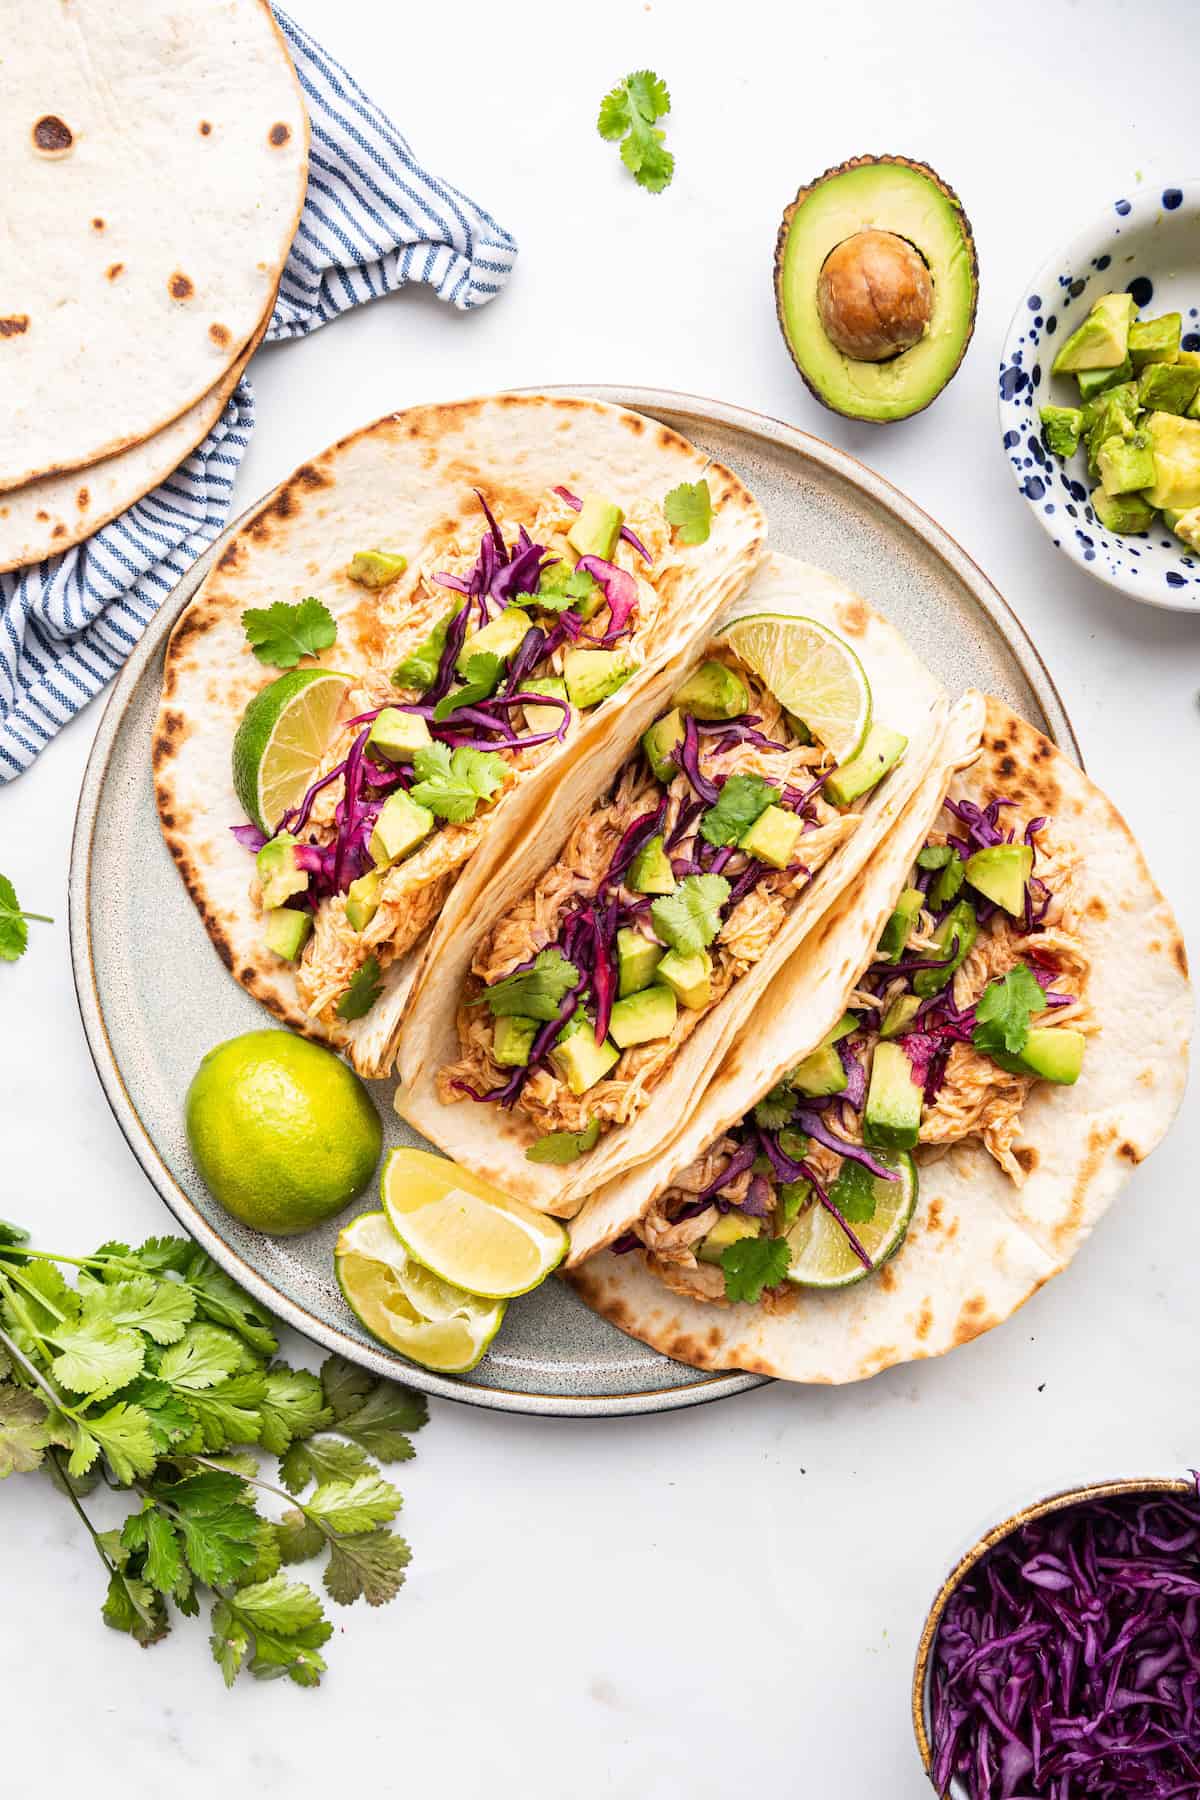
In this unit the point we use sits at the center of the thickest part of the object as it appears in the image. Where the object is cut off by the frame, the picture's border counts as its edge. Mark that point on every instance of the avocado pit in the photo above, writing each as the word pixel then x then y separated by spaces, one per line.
pixel 874 296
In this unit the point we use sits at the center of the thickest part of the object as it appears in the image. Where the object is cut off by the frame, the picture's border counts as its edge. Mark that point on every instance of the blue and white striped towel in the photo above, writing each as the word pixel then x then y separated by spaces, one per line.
pixel 373 220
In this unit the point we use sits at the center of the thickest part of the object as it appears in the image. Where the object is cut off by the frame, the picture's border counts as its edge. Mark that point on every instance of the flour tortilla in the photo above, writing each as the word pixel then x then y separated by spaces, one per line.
pixel 406 481
pixel 488 1139
pixel 153 163
pixel 978 1246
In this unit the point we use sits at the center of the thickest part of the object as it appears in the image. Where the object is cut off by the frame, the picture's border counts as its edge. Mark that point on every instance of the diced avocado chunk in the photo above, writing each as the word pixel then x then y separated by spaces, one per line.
pixel 898 929
pixel 596 528
pixel 650 871
pixel 1097 381
pixel 512 1040
pixel 1000 872
pixel 820 1073
pixel 402 824
pixel 362 899
pixel 593 675
pixel 713 692
pixel 790 1197
pixel 1186 527
pixel 773 836
pixel 729 1229
pixel 1190 357
pixel 1176 445
pixel 398 735
pixel 688 977
pixel 899 1016
pixel 1122 513
pixel 288 930
pixel 953 940
pixel 881 751
pixel 659 742
pixel 637 960
pixel 1155 340
pixel 1126 464
pixel 1061 426
pixel 1101 341
pixel 376 568
pixel 545 718
pixel 892 1114
pixel 500 637
pixel 280 876
pixel 643 1017
pixel 1052 1053
pixel 1168 387
pixel 580 1061
pixel 1113 418
pixel 846 1025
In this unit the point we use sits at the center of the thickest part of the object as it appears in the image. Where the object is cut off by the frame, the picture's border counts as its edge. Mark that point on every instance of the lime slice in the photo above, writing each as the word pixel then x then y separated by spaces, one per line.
pixel 284 733
pixel 812 672
pixel 822 1255
pixel 466 1230
pixel 405 1306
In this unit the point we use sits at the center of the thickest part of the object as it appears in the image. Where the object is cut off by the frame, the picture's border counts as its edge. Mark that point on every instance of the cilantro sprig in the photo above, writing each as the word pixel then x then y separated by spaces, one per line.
pixel 534 993
pixel 280 634
pixel 14 930
pixel 1003 1012
pixel 366 985
pixel 155 1371
pixel 689 919
pixel 688 508
pixel 453 783
pixel 742 800
pixel 629 115
pixel 752 1264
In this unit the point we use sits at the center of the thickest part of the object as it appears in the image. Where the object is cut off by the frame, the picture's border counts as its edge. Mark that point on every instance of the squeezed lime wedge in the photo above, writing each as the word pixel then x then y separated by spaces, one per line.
pixel 405 1306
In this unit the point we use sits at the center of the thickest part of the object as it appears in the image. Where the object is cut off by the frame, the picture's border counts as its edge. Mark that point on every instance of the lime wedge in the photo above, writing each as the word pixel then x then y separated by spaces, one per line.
pixel 822 1255
pixel 405 1306
pixel 812 672
pixel 284 733
pixel 466 1230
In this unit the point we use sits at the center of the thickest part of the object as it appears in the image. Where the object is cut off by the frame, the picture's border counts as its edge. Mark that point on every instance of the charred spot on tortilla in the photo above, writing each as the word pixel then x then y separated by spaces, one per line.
pixel 972 1319
pixel 82 498
pixel 97 224
pixel 52 136
pixel 279 134
pixel 1096 908
pixel 934 1221
pixel 1008 765
pixel 180 286
pixel 1027 1156
pixel 205 128
pixel 42 516
pixel 60 530
pixel 1180 954
pixel 924 1321
pixel 219 334
pixel 887 1278
pixel 229 557
pixel 14 325
pixel 309 476
pixel 999 745
pixel 1129 1151
pixel 113 270
pixel 852 616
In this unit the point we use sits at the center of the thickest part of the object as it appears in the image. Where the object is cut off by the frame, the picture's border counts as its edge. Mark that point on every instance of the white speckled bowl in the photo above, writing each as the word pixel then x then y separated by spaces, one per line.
pixel 1148 243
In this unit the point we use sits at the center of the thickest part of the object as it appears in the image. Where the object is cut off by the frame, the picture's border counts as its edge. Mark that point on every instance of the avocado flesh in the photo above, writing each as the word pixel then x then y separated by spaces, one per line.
pixel 688 977
pixel 884 194
pixel 499 637
pixel 1186 527
pixel 362 899
pixel 881 750
pixel 892 1113
pixel 376 568
pixel 898 929
pixel 597 527
pixel 278 872
pixel 820 1073
pixel 953 938
pixel 1155 340
pixel 658 743
pixel 1123 514
pixel 899 1016
pixel 1094 382
pixel 1126 464
pixel 1051 1053
pixel 593 675
pixel 402 825
pixel 1168 387
pixel 637 960
pixel 512 1040
pixel 729 1229
pixel 1061 426
pixel 1102 339
pixel 546 718
pixel 712 692
pixel 288 930
pixel 1176 445
pixel 773 837
pixel 643 1017
pixel 1000 872
pixel 581 1062
pixel 397 735
pixel 650 871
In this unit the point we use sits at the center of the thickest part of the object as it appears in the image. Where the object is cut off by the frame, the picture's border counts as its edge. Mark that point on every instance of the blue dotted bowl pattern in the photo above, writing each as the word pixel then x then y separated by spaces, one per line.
pixel 1141 257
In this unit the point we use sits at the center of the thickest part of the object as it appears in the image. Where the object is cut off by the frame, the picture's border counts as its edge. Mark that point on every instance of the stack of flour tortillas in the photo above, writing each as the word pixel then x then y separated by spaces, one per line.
pixel 153 162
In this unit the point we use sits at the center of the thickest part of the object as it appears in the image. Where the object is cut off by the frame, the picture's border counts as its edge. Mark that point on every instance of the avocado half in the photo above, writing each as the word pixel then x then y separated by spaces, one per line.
pixel 906 203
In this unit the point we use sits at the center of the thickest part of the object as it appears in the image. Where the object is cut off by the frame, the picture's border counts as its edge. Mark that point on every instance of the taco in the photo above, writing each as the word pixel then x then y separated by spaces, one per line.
pixel 577 996
pixel 496 583
pixel 972 1053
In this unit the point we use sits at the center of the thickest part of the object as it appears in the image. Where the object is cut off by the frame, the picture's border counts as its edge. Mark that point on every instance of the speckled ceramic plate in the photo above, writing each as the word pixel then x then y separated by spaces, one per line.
pixel 1146 244
pixel 154 995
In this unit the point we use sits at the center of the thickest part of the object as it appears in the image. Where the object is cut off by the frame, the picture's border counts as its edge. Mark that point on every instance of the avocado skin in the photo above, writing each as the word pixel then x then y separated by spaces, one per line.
pixel 789 215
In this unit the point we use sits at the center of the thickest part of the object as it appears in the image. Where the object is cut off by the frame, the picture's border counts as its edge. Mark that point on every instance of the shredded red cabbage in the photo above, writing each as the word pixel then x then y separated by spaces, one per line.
pixel 811 1123
pixel 686 756
pixel 1067 1662
pixel 836 1213
pixel 855 1090
pixel 644 827
pixel 249 837
pixel 575 504
pixel 756 1203
pixel 296 818
pixel 741 1160
pixel 980 822
pixel 620 591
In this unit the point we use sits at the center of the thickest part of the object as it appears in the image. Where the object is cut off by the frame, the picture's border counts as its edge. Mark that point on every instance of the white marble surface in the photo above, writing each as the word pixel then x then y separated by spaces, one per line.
pixel 689 1605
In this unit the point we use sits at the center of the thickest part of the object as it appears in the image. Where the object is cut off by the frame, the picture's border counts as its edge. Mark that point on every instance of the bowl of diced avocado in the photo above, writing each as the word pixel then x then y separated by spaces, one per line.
pixel 1100 396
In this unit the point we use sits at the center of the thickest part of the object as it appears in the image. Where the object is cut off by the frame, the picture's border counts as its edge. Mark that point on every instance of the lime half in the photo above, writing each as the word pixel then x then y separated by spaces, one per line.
pixel 466 1230
pixel 405 1306
pixel 284 733
pixel 822 1255
pixel 812 672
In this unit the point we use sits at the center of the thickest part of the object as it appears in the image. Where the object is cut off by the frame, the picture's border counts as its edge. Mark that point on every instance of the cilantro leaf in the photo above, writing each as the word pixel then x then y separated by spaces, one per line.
pixel 562 587
pixel 1003 1012
pixel 159 1308
pixel 853 1193
pixel 419 668
pixel 534 993
pixel 366 985
pixel 280 634
pixel 167 1413
pixel 370 1567
pixel 936 856
pixel 217 1297
pixel 482 673
pixel 776 1108
pixel 152 1532
pixel 356 1505
pixel 628 113
pixel 293 1406
pixel 14 932
pixel 742 800
pixel 24 1433
pixel 564 1146
pixel 688 508
pixel 346 1385
pixel 133 1606
pixel 218 1527
pixel 279 1623
pixel 753 1264
pixel 321 1459
pixel 229 1413
pixel 268 1556
pixel 689 919
pixel 382 1422
pixel 123 1433
pixel 96 1357
pixel 203 1356
pixel 452 783
pixel 299 1538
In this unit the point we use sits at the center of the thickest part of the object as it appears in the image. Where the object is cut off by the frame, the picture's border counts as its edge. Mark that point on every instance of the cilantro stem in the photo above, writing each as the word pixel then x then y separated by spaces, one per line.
pixel 17 1302
pixel 58 1476
pixel 31 1368
pixel 42 918
pixel 15 1274
pixel 270 1488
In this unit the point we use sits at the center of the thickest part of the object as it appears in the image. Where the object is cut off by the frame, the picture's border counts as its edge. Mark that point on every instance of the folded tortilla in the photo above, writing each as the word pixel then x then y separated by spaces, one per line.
pixel 979 1245
pixel 490 1139
pixel 408 482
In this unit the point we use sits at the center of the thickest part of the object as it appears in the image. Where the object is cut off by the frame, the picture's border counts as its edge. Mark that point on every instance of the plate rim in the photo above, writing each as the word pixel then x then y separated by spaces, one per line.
pixel 708 1387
